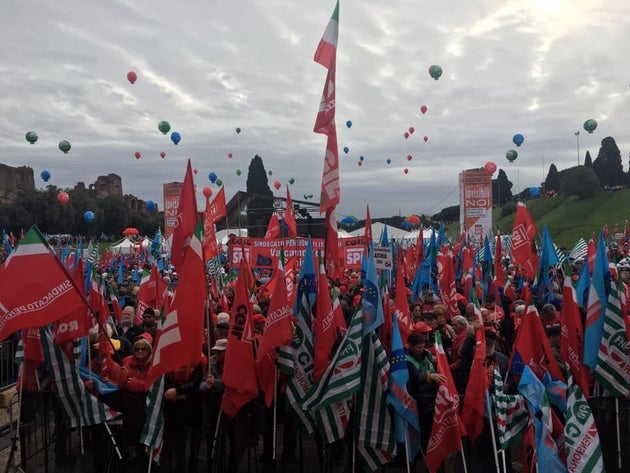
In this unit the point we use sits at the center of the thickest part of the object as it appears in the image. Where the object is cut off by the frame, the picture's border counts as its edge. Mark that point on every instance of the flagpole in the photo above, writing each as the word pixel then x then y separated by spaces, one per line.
pixel 407 449
pixel 216 433
pixel 461 445
pixel 618 434
pixel 494 440
pixel 275 409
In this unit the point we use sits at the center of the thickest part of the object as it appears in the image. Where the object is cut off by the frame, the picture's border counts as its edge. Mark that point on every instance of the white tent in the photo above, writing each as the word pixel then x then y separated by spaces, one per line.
pixel 124 245
pixel 377 231
pixel 426 234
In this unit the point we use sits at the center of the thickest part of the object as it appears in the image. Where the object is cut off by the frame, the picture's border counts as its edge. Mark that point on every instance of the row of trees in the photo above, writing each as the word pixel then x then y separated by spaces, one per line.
pixel 41 207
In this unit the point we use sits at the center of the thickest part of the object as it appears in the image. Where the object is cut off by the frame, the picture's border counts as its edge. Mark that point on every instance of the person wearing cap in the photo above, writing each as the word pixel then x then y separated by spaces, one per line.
pixel 223 326
pixel 149 323
pixel 423 380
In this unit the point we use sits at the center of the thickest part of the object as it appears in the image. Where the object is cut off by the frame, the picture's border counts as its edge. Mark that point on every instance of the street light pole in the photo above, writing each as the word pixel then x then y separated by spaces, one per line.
pixel 577 136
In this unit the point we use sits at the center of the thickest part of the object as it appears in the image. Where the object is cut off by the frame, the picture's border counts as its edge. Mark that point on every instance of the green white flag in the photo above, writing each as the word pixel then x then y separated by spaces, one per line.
pixel 511 414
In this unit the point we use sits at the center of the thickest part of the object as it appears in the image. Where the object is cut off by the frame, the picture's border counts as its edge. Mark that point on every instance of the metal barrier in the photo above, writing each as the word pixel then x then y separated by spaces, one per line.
pixel 8 368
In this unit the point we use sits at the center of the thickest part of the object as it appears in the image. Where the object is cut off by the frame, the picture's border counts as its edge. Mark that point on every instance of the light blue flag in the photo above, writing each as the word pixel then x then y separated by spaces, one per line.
pixel 372 303
pixel 583 285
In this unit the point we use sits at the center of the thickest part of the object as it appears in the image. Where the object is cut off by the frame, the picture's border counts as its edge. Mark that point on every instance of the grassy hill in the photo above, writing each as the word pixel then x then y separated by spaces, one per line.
pixel 568 218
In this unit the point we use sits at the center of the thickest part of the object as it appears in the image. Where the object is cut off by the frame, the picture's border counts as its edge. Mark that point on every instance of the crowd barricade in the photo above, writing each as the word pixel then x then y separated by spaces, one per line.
pixel 8 368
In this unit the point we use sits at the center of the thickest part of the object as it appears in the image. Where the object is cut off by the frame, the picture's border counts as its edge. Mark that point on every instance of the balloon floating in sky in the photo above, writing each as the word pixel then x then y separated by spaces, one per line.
pixel 212 177
pixel 131 77
pixel 534 192
pixel 230 155
pixel 346 149
pixel 411 130
pixel 164 127
pixel 207 192
pixel 137 154
pixel 162 155
pixel 360 163
pixel 238 130
pixel 176 137
pixel 219 182
pixel 270 172
pixel 45 175
pixel 426 138
pixel 388 161
pixel 195 171
pixel 435 71
pixel 349 220
pixel 277 185
pixel 150 205
pixel 64 145
pixel 490 168
pixel 238 172
pixel 511 155
pixel 31 137
pixel 88 216
pixel 349 124
pixel 423 109
pixel 308 196
pixel 406 134
pixel 63 198
pixel 291 181
pixel 361 158
pixel 590 125
pixel 406 171
pixel 409 157
pixel 518 139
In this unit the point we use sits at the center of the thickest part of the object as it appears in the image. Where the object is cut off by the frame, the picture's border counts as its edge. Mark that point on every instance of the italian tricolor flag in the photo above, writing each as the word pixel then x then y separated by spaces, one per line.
pixel 327 48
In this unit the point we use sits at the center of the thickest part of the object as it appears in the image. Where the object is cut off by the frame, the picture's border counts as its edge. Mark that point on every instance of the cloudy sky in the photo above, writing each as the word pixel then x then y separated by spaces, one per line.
pixel 536 67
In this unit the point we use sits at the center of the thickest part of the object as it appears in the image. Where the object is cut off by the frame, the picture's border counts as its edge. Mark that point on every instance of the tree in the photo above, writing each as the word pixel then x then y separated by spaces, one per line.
pixel 260 207
pixel 501 189
pixel 552 182
pixel 447 214
pixel 608 165
pixel 588 161
pixel 580 181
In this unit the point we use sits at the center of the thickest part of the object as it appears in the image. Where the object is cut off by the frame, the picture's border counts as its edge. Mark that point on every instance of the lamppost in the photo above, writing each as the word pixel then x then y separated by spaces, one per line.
pixel 577 136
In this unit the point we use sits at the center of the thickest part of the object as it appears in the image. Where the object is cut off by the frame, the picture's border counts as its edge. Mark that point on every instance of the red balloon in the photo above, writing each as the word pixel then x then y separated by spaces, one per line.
pixel 277 185
pixel 411 130
pixel 162 155
pixel 406 135
pixel 406 171
pixel 195 170
pixel 207 192
pixel 63 198
pixel 131 77
pixel 137 154
pixel 230 155
pixel 360 163
pixel 409 157
pixel 426 138
pixel 489 168
pixel 423 109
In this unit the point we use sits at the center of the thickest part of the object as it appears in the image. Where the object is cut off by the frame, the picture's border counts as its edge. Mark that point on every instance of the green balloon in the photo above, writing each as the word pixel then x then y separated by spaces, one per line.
pixel 435 71
pixel 511 155
pixel 164 127
pixel 219 182
pixel 64 146
pixel 291 181
pixel 238 172
pixel 31 137
pixel 270 173
pixel 238 130
pixel 590 125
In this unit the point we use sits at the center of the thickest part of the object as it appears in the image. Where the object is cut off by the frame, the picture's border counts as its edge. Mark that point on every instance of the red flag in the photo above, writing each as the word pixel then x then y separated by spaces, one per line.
pixel 328 318
pixel 210 248
pixel 74 325
pixel 332 244
pixel 278 332
pixel 368 228
pixel 529 448
pixel 447 430
pixel 289 216
pixel 186 220
pixel 446 279
pixel 150 292
pixel 474 398
pixel 523 234
pixel 403 317
pixel 499 269
pixel 218 207
pixel 96 296
pixel 273 229
pixel 467 272
pixel 572 336
pixel 590 254
pixel 532 348
pixel 32 345
pixel 289 278
pixel 179 340
pixel 239 371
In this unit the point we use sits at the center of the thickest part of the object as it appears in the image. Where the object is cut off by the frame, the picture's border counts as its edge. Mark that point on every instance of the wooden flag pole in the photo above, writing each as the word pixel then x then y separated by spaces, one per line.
pixel 494 440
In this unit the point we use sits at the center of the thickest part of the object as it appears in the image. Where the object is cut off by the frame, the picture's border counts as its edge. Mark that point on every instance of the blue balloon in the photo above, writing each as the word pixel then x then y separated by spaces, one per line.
pixel 150 205
pixel 518 139
pixel 346 149
pixel 213 177
pixel 389 161
pixel 88 216
pixel 361 158
pixel 349 124
pixel 45 175
pixel 534 192
pixel 176 137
